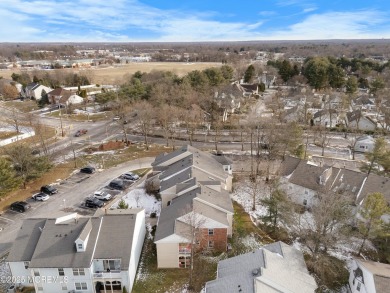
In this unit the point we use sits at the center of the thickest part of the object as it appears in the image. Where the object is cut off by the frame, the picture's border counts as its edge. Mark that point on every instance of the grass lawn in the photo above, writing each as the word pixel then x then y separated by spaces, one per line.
pixel 23 106
pixel 61 171
pixel 113 158
pixel 7 134
pixel 79 117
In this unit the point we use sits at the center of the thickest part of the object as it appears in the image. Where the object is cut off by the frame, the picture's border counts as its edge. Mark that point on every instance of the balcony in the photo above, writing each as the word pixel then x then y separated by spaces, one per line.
pixel 113 274
pixel 184 251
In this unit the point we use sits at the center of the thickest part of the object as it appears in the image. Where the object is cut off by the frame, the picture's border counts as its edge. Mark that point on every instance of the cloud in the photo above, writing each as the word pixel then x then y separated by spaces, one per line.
pixel 130 20
pixel 309 9
pixel 335 25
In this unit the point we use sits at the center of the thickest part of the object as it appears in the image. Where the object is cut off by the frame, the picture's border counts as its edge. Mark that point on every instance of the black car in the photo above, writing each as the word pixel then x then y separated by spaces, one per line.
pixel 20 206
pixel 48 189
pixel 88 170
pixel 93 203
pixel 117 184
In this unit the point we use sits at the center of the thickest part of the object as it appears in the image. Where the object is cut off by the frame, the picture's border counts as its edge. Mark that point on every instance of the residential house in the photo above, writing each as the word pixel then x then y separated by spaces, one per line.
pixel 34 91
pixel 369 277
pixel 228 99
pixel 275 267
pixel 74 254
pixel 363 103
pixel 304 181
pixel 186 163
pixel 59 96
pixel 364 144
pixel 326 117
pixel 72 100
pixel 200 218
pixel 357 120
pixel 249 90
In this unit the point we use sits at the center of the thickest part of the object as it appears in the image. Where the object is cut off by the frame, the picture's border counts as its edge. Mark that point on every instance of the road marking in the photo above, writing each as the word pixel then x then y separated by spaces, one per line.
pixel 7 219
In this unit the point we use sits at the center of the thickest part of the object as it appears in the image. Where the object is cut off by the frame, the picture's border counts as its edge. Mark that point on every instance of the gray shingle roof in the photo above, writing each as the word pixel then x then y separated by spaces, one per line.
pixel 375 183
pixel 54 246
pixel 24 245
pixel 288 165
pixel 168 215
pixel 120 228
pixel 277 267
pixel 180 177
pixel 345 180
pixel 219 198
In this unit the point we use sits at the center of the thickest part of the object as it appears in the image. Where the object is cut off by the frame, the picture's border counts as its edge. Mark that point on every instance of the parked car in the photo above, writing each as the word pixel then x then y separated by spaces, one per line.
pixel 130 176
pixel 81 132
pixel 20 206
pixel 48 189
pixel 116 118
pixel 117 184
pixel 88 170
pixel 93 202
pixel 102 195
pixel 40 196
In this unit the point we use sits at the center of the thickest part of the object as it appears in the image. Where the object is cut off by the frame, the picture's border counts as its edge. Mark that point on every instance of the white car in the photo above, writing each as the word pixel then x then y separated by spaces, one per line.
pixel 130 176
pixel 102 195
pixel 41 196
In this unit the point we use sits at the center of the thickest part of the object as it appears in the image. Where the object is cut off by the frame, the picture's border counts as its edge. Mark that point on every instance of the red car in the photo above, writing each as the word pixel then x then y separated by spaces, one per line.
pixel 81 132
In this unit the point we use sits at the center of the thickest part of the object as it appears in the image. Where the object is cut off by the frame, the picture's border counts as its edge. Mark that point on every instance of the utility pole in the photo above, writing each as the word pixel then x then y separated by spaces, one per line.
pixel 62 128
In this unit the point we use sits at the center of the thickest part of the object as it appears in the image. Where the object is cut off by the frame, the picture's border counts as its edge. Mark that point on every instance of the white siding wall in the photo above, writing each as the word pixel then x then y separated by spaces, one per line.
pixel 138 241
pixel 299 194
pixel 368 286
pixel 20 273
pixel 167 255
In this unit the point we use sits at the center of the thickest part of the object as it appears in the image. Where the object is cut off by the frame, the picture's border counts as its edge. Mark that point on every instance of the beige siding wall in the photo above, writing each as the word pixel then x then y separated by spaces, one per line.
pixel 167 255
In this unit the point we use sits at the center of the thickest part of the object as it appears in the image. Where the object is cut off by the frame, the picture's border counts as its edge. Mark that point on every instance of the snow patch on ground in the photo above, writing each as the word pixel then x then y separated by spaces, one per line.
pixel 138 198
pixel 243 194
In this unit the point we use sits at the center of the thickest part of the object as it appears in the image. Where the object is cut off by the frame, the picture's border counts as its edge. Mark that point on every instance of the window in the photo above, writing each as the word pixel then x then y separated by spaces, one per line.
pixel 26 264
pixel 81 286
pixel 211 244
pixel 358 286
pixel 61 272
pixel 306 192
pixel 36 273
pixel 184 261
pixel 78 272
pixel 305 202
pixel 64 287
pixel 80 246
pixel 112 264
pixel 40 288
pixel 211 231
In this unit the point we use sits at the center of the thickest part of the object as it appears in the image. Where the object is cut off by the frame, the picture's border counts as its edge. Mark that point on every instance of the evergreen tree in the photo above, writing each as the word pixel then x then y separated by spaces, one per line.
pixel 249 74
pixel 374 207
pixel 8 178
pixel 123 205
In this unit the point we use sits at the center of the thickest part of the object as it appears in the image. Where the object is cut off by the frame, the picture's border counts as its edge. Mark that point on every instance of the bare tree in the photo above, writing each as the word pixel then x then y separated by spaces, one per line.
pixel 322 137
pixel 144 117
pixel 190 225
pixel 328 223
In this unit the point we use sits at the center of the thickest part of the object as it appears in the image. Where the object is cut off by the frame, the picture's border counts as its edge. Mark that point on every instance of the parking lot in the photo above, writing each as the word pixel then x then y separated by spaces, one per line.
pixel 70 198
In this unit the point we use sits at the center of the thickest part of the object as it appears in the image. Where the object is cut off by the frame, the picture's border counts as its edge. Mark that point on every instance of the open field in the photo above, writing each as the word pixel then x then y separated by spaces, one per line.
pixel 115 74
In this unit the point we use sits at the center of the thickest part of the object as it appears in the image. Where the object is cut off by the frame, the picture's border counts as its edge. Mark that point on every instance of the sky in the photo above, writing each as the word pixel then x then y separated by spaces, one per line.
pixel 191 20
